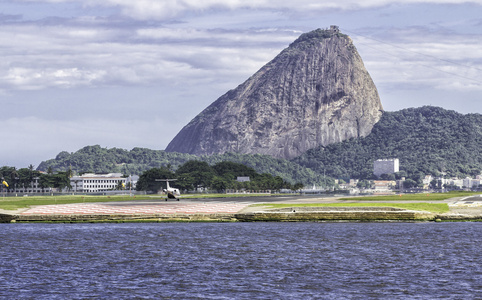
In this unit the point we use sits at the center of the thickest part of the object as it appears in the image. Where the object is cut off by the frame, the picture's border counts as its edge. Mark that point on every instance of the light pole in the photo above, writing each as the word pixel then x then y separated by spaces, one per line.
pixel 16 181
pixel 130 185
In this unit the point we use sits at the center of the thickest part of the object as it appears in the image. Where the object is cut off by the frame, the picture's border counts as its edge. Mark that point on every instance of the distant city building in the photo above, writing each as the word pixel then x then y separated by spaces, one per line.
pixel 386 166
pixel 33 187
pixel 471 183
pixel 92 183
pixel 243 178
pixel 384 185
pixel 353 182
pixel 426 181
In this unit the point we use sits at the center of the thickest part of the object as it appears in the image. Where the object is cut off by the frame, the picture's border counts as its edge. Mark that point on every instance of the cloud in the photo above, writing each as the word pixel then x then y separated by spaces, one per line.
pixel 32 79
pixel 169 9
pixel 174 9
pixel 417 58
pixel 78 54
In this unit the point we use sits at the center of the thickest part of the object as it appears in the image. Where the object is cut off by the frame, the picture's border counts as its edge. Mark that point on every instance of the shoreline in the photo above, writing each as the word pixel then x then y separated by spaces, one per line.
pixel 236 210
pixel 297 214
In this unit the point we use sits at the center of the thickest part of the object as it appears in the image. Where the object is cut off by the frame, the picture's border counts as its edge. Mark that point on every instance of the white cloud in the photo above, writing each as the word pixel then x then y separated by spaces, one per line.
pixel 167 9
pixel 438 62
pixel 73 55
pixel 35 79
pixel 171 9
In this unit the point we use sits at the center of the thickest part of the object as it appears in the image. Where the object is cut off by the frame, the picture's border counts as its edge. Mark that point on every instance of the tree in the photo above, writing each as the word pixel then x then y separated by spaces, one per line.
pixel 232 170
pixel 219 183
pixel 195 174
pixel 14 177
pixel 147 181
pixel 364 184
pixel 120 186
pixel 297 186
pixel 388 176
pixel 410 183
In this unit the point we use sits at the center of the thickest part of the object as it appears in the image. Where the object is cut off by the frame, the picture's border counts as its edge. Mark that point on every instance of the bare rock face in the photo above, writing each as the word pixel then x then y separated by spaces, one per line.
pixel 315 92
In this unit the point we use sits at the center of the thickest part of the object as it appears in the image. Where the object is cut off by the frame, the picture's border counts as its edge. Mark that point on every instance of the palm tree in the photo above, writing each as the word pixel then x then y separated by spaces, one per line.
pixel 14 177
pixel 69 172
pixel 30 168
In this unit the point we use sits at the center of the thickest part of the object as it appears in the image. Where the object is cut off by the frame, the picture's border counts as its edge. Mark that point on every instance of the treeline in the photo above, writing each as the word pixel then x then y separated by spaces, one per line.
pixel 222 176
pixel 95 159
pixel 426 140
pixel 23 178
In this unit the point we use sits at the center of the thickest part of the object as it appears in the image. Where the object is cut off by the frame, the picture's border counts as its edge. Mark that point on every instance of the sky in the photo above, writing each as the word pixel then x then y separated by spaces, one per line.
pixel 125 74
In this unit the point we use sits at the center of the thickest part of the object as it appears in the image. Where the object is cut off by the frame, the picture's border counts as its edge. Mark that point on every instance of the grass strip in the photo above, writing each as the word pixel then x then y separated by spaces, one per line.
pixel 12 203
pixel 414 197
pixel 430 207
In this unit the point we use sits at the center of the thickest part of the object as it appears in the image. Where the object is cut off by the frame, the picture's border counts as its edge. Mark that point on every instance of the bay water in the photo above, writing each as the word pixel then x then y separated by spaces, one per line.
pixel 241 261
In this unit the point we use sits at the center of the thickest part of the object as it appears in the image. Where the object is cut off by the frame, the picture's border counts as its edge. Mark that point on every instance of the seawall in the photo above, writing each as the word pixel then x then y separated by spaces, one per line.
pixel 292 214
pixel 217 217
pixel 336 214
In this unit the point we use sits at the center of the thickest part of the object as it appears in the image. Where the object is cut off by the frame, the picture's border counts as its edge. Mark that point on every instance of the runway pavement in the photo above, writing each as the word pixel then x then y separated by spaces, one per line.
pixel 159 206
pixel 138 207
pixel 192 206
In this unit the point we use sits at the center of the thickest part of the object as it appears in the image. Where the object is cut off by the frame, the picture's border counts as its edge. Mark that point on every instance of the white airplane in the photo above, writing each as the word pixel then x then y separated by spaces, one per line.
pixel 171 192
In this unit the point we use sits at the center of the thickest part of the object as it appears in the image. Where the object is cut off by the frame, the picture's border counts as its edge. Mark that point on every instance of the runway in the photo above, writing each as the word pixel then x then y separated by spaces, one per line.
pixel 139 207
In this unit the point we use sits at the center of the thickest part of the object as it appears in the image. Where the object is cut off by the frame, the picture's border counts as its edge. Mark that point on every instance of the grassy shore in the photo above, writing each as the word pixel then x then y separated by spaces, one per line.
pixel 13 203
pixel 414 197
pixel 430 207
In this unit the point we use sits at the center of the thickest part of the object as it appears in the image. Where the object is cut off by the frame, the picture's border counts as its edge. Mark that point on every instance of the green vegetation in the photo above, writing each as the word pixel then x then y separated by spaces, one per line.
pixel 414 197
pixel 222 176
pixel 12 203
pixel 138 160
pixel 22 178
pixel 316 35
pixel 430 207
pixel 427 140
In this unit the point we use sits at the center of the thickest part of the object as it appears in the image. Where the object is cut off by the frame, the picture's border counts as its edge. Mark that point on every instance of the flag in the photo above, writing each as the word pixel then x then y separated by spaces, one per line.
pixel 5 183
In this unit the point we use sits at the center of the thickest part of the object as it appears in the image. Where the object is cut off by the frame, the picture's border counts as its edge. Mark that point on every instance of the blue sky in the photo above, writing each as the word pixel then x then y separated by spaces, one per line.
pixel 123 73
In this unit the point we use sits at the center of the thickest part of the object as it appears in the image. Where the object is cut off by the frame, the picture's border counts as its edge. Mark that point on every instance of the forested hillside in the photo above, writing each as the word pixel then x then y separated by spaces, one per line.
pixel 427 140
pixel 102 160
pixel 96 159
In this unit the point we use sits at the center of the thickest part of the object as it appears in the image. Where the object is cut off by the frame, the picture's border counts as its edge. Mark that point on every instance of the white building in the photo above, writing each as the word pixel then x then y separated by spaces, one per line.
pixel 471 183
pixel 33 187
pixel 243 179
pixel 386 166
pixel 92 183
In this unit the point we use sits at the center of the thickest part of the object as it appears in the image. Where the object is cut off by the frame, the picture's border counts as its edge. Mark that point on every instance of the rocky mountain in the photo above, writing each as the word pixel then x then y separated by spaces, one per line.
pixel 315 92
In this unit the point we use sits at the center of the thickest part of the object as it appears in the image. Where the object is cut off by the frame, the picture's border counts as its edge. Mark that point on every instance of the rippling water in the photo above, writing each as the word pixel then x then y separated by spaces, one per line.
pixel 241 261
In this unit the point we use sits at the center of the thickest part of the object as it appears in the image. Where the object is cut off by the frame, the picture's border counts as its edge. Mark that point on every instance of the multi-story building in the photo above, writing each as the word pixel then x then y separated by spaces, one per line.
pixel 92 183
pixel 471 183
pixel 386 166
pixel 33 187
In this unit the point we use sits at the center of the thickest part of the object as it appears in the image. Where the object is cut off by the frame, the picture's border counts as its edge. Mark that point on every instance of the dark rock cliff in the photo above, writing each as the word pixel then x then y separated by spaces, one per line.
pixel 315 92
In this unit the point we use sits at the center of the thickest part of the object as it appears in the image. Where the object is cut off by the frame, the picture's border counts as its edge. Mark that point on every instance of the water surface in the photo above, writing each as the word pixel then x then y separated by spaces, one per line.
pixel 241 261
